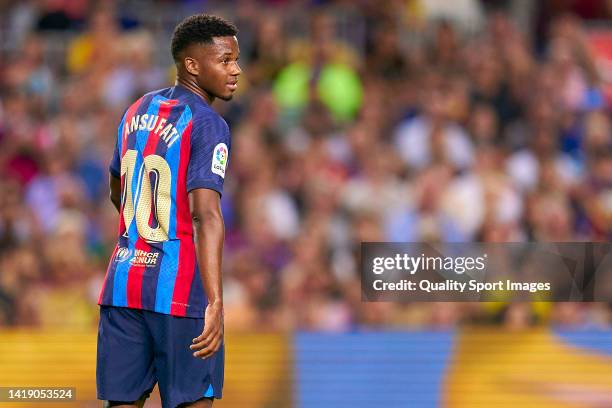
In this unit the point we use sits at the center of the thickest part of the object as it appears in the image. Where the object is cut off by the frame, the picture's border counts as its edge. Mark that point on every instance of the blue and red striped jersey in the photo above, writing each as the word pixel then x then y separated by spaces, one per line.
pixel 169 142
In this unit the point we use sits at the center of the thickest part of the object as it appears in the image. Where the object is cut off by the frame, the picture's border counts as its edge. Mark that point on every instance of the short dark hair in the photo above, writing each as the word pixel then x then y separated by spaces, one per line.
pixel 199 28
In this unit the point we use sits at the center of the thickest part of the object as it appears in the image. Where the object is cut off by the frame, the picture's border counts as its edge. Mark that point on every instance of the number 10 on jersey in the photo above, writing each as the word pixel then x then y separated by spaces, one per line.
pixel 153 186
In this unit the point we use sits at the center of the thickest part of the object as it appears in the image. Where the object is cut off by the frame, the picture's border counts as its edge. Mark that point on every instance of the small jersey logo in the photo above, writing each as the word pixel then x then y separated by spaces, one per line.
pixel 219 160
pixel 144 258
pixel 123 254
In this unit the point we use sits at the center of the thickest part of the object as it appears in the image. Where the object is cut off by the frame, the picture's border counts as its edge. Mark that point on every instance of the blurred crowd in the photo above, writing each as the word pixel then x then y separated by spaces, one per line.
pixel 397 120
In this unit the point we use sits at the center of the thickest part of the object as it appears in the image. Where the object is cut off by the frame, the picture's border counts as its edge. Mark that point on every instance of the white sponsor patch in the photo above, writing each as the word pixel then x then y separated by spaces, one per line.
pixel 219 159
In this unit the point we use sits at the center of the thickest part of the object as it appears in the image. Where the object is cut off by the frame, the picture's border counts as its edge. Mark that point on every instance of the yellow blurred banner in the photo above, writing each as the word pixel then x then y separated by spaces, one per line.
pixel 488 367
pixel 257 374
pixel 527 368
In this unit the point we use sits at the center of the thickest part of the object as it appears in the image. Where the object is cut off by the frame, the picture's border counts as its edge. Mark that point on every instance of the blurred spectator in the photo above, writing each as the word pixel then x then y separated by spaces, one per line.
pixel 97 44
pixel 321 70
pixel 433 136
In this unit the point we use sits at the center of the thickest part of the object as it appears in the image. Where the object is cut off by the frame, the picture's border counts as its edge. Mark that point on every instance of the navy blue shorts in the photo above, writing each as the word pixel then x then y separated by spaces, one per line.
pixel 138 348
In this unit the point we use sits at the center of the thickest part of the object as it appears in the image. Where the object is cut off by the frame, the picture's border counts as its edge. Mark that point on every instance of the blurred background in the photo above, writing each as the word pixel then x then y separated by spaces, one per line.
pixel 391 120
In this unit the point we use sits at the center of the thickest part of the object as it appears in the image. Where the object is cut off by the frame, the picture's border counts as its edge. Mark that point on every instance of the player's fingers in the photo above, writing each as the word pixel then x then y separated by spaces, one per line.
pixel 204 347
pixel 209 329
pixel 209 350
pixel 205 333
pixel 200 345
pixel 207 336
pixel 205 341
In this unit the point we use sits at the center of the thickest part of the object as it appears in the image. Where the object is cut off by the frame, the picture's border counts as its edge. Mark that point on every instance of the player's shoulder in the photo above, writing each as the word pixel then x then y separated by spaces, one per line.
pixel 205 116
pixel 147 98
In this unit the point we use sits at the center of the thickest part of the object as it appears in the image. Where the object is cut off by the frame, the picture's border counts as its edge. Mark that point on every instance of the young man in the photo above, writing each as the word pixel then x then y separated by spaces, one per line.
pixel 161 307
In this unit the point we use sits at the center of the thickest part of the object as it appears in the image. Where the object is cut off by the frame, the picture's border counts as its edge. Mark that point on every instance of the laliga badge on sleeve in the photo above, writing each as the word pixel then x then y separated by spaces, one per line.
pixel 219 160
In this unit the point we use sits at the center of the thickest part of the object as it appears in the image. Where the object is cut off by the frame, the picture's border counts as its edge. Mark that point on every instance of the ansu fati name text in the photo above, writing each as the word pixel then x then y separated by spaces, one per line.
pixel 153 123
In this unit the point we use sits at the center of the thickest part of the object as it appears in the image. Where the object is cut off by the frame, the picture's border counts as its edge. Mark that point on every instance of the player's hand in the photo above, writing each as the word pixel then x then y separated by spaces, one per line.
pixel 207 343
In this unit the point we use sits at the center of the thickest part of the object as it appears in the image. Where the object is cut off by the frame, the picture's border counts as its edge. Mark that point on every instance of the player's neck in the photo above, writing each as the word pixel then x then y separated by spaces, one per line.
pixel 193 87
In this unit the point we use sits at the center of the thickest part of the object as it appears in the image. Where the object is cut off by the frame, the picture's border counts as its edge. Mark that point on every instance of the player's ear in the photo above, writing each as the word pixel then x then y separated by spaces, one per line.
pixel 192 66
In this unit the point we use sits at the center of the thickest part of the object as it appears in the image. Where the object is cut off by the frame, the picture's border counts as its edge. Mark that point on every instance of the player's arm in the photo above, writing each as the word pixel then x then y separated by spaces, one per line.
pixel 115 190
pixel 209 232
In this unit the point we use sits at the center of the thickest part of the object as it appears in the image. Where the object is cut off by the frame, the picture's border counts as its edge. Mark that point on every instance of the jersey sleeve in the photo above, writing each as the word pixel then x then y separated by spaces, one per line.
pixel 210 148
pixel 115 164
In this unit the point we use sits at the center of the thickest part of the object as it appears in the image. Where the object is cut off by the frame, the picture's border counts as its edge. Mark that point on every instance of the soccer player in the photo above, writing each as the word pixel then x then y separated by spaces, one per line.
pixel 161 307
